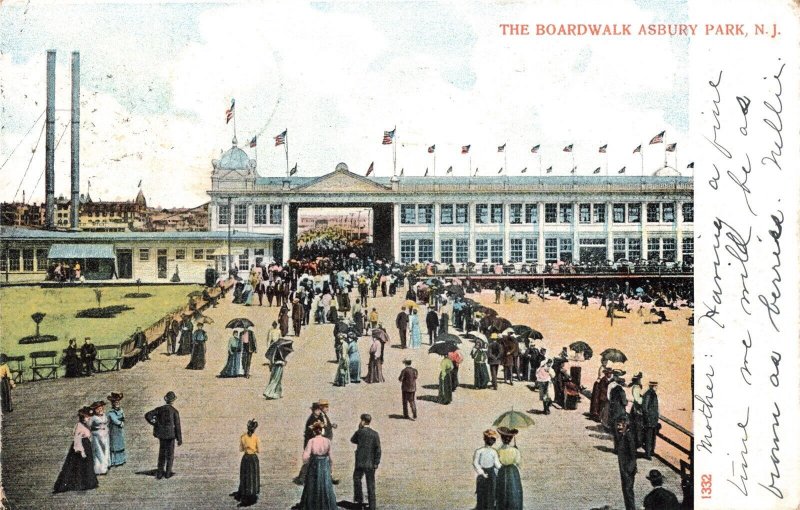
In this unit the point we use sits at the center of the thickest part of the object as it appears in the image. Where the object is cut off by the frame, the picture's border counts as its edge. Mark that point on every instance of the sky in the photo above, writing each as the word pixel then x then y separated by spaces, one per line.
pixel 156 80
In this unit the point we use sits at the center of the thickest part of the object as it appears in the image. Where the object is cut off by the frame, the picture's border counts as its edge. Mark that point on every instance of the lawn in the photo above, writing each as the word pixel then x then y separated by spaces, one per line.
pixel 61 304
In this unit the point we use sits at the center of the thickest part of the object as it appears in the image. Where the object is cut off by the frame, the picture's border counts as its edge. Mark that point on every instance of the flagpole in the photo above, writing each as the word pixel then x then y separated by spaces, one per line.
pixel 505 157
pixel 394 152
pixel 286 143
pixel 234 121
pixel 470 166
pixel 434 162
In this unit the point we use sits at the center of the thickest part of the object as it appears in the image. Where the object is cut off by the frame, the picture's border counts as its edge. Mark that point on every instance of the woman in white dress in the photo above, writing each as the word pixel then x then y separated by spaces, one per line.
pixel 101 446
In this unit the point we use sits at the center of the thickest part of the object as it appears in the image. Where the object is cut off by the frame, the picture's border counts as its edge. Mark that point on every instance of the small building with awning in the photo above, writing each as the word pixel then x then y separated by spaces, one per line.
pixel 97 261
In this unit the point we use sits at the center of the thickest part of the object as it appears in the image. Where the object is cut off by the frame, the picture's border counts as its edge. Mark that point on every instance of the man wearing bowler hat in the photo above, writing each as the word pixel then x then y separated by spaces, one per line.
pixel 368 457
pixel 166 424
pixel 659 498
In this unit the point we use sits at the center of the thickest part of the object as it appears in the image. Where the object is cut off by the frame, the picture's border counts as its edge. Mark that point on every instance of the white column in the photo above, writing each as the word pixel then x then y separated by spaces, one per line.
pixel 575 250
pixel 471 233
pixel 286 240
pixel 437 249
pixel 251 217
pixel 506 232
pixel 609 234
pixel 540 242
pixel 643 219
pixel 679 231
pixel 213 214
pixel 396 232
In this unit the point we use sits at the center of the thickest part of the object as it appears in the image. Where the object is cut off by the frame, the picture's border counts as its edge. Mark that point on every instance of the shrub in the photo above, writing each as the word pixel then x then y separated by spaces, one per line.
pixel 37 339
pixel 106 312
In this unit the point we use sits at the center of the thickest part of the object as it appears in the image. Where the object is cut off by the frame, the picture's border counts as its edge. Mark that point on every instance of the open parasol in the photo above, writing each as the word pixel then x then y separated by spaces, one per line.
pixel 513 420
pixel 239 323
pixel 614 355
pixel 580 346
pixel 476 335
pixel 443 348
pixel 280 348
pixel 448 337
pixel 527 332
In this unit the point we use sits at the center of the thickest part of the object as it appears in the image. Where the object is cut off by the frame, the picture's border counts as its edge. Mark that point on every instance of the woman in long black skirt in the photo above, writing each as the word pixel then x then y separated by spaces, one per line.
pixel 77 474
pixel 249 472
pixel 318 493
pixel 6 384
pixel 509 484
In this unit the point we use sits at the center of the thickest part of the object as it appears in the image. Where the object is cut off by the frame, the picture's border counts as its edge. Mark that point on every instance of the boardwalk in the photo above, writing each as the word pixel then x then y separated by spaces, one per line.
pixel 426 464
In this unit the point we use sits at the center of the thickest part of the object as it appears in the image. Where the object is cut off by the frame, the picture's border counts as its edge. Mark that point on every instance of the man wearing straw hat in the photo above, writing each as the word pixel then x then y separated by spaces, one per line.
pixel 166 422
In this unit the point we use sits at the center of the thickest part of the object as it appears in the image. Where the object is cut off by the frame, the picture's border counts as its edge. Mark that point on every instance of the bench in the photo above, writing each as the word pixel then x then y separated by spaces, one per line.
pixel 129 353
pixel 15 367
pixel 108 358
pixel 43 365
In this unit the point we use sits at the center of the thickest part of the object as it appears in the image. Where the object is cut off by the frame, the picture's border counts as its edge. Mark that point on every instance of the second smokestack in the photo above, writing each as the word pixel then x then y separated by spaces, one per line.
pixel 75 148
pixel 50 142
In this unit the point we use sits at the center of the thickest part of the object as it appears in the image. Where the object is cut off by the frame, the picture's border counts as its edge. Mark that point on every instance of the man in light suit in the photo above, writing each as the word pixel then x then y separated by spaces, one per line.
pixel 368 457
pixel 166 424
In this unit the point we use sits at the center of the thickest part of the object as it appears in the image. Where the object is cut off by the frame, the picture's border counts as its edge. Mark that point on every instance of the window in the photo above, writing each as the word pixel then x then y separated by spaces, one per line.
pixel 550 213
pixel 585 213
pixel 619 248
pixel 668 249
pixel 244 260
pixel 462 251
pixel 407 250
pixel 634 248
pixel 481 213
pixel 446 214
pixel 408 214
pixel 688 212
pixel 180 254
pixel 223 214
pixel 653 212
pixel 462 213
pixel 446 246
pixel 425 250
pixel 565 249
pixel 240 214
pixel 4 261
pixel 654 248
pixel 425 214
pixel 144 255
pixel 688 250
pixel 210 254
pixel 260 214
pixel 276 214
pixel 599 213
pixel 634 213
pixel 481 250
pixel 515 214
pixel 497 213
pixel 27 259
pixel 497 251
pixel 13 260
pixel 565 213
pixel 531 213
pixel 618 214
pixel 550 249
pixel 668 212
pixel 41 259
pixel 198 254
pixel 531 250
pixel 516 250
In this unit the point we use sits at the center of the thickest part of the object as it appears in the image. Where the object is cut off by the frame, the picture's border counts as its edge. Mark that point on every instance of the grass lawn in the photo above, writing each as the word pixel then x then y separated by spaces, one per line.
pixel 61 304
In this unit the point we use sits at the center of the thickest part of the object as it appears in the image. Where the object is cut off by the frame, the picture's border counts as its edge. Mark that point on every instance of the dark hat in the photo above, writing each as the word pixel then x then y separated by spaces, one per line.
pixel 637 377
pixel 85 411
pixel 170 397
pixel 653 383
pixel 618 373
pixel 655 477
pixel 3 358
pixel 314 406
pixel 407 361
pixel 507 432
pixel 114 397
pixel 99 403
pixel 252 424
pixel 608 371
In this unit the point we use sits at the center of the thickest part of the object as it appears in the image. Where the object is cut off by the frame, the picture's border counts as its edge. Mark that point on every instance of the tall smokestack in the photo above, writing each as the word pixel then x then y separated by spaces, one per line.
pixel 50 142
pixel 75 149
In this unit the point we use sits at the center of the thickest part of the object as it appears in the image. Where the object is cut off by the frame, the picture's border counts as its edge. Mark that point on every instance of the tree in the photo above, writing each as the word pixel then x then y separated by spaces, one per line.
pixel 38 317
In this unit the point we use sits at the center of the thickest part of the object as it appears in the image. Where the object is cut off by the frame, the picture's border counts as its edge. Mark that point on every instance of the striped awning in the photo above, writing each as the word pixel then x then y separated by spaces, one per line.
pixel 81 251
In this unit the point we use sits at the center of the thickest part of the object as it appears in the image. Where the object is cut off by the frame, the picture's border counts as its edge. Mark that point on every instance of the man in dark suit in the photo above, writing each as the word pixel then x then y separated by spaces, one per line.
pixel 368 457
pixel 432 322
pixel 88 355
pixel 249 347
pixel 494 354
pixel 626 455
pixel 402 326
pixel 166 424
pixel 617 403
pixel 297 316
pixel 650 419
pixel 659 498
pixel 408 385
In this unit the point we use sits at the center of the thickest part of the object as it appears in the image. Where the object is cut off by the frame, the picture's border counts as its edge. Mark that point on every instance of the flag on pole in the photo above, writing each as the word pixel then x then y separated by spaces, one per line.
pixel 637 149
pixel 450 170
pixel 535 149
pixel 596 170
pixel 229 111
pixel 426 173
pixel 371 168
pixel 671 147
pixel 621 170
pixel 388 136
pixel 690 165
pixel 500 171
pixel 281 138
pixel 549 169
pixel 573 169
pixel 501 148
pixel 658 138
pixel 524 170
pixel 568 148
pixel 253 141
pixel 293 170
pixel 465 149
pixel 603 149
pixel 431 149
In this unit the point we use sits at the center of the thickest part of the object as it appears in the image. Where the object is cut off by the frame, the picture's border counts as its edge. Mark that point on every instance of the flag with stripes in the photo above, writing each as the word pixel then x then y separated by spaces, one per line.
pixel 501 148
pixel 524 170
pixel 388 136
pixel 293 170
pixel 596 170
pixel 229 111
pixel 549 169
pixel 465 149
pixel 568 148
pixel 690 165
pixel 603 149
pixel 426 173
pixel 281 138
pixel 371 168
pixel 637 149
pixel 658 138
pixel 253 141
pixel 431 149
pixel 671 147
pixel 535 149
pixel 450 170
pixel 621 170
